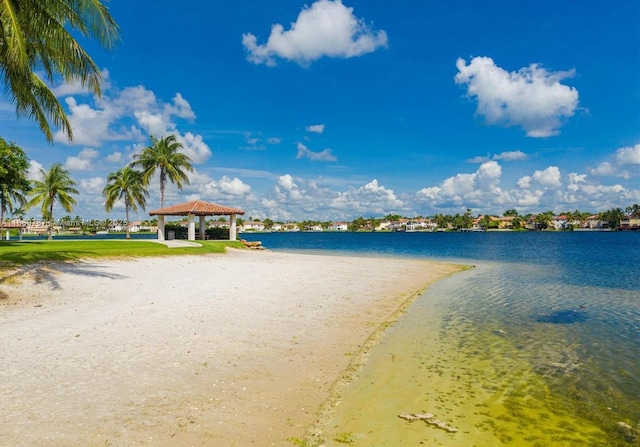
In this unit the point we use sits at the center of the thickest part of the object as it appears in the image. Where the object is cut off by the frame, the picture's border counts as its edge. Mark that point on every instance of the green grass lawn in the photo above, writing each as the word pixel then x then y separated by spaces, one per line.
pixel 15 254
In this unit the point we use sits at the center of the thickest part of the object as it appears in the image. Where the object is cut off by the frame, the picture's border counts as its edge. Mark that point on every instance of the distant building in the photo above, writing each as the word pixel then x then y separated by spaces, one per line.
pixel 338 226
pixel 630 223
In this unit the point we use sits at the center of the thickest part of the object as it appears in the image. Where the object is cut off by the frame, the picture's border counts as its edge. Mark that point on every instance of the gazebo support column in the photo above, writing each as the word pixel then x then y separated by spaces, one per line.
pixel 161 228
pixel 192 228
pixel 232 228
pixel 202 227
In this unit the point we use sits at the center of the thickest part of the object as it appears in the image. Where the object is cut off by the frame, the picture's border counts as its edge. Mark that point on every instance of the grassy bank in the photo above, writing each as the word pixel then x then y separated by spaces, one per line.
pixel 15 254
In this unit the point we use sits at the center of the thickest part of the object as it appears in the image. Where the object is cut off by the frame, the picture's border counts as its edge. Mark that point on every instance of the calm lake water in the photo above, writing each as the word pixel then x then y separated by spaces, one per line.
pixel 539 345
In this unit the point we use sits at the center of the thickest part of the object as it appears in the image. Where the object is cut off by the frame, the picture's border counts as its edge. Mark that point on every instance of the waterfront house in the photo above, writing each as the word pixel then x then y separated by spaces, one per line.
pixel 253 225
pixel 338 226
pixel 630 223
pixel 559 222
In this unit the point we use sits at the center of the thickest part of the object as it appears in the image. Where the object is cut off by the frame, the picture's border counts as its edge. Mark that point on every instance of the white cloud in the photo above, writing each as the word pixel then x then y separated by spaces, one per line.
pixel 325 155
pixel 574 180
pixel 548 177
pixel 532 97
pixel 315 128
pixel 233 186
pixel 81 162
pixel 543 190
pixel 194 147
pixel 286 187
pixel 180 108
pixel 326 28
pixel 464 189
pixel 604 169
pixel 625 164
pixel 131 114
pixel 628 155
pixel 115 157
pixel 274 140
pixel 202 186
pixel 524 182
pixel 35 170
pixel 506 156
pixel 478 159
pixel 371 199
pixel 511 156
pixel 93 185
pixel 76 88
pixel 90 126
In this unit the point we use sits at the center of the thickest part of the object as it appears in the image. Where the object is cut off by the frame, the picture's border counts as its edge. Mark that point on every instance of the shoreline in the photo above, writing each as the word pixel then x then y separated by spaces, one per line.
pixel 245 348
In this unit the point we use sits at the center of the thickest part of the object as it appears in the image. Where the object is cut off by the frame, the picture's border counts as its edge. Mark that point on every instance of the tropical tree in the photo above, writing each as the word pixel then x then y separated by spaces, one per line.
pixel 127 185
pixel 543 220
pixel 38 36
pixel 19 213
pixel 56 186
pixel 517 222
pixel 443 221
pixel 268 223
pixel 164 156
pixel 392 217
pixel 14 184
pixel 510 213
pixel 612 217
pixel 633 210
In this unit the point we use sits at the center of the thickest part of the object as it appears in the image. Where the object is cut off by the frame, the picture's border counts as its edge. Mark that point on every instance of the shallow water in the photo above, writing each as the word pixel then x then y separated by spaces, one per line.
pixel 473 352
pixel 539 345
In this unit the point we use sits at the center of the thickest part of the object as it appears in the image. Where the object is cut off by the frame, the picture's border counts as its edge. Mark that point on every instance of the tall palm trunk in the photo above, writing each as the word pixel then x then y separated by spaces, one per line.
pixel 1 219
pixel 161 194
pixel 51 221
pixel 126 216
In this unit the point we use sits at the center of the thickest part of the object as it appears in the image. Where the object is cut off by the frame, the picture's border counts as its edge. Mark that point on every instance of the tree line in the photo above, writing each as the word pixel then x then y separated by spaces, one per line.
pixel 459 221
pixel 128 184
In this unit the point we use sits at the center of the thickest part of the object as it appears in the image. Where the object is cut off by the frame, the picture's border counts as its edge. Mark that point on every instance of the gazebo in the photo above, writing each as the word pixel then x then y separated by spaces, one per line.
pixel 200 209
pixel 6 226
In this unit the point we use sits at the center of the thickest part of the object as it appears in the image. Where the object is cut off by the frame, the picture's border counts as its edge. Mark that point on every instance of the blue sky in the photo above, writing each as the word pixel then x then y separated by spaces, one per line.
pixel 332 110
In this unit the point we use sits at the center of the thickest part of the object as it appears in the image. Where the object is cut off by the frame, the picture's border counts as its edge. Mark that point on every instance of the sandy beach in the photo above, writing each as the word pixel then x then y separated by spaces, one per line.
pixel 221 350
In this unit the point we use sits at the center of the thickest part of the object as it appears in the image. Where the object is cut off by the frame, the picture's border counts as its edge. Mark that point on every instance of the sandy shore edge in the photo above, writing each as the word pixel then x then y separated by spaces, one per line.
pixel 246 348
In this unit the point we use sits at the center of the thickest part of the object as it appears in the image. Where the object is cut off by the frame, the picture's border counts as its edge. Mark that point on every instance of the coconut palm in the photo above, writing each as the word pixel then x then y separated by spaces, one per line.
pixel 36 35
pixel 8 200
pixel 164 156
pixel 56 186
pixel 127 185
pixel 19 213
pixel 612 217
pixel 543 220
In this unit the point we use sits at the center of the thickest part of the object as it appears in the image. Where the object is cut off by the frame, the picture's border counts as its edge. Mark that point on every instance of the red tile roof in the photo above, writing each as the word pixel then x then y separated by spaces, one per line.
pixel 6 225
pixel 197 208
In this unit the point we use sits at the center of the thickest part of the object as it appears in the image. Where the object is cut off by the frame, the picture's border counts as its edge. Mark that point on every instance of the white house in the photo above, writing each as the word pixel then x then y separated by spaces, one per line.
pixel 253 225
pixel 338 226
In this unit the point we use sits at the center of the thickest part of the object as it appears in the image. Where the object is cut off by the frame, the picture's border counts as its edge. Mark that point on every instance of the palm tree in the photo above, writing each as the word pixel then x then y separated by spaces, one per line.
pixel 164 156
pixel 543 220
pixel 56 186
pixel 8 199
pixel 128 185
pixel 19 213
pixel 612 217
pixel 34 36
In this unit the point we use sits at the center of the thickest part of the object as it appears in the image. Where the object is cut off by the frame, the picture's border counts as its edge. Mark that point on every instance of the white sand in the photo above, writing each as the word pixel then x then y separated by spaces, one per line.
pixel 220 350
